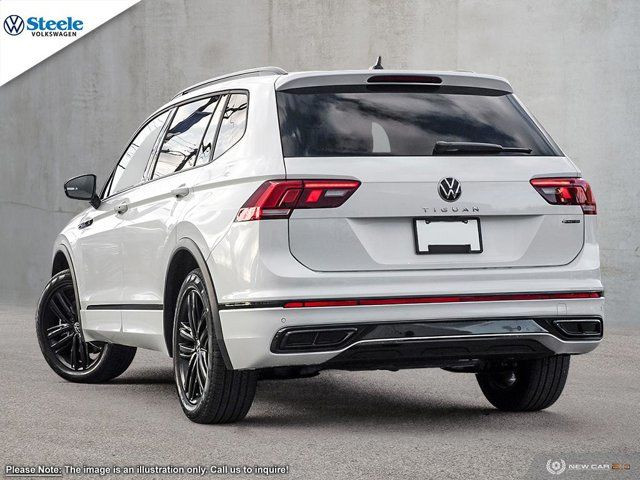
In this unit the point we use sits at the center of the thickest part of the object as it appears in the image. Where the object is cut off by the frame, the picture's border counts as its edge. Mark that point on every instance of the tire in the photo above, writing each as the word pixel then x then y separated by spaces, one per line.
pixel 62 342
pixel 530 385
pixel 208 391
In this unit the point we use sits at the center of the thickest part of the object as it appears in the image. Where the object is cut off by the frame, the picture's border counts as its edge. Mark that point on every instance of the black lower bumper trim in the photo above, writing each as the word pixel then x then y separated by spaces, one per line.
pixel 450 343
pixel 336 337
pixel 435 353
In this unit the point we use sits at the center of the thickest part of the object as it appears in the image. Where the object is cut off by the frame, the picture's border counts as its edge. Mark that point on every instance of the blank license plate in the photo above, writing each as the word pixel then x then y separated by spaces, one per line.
pixel 459 235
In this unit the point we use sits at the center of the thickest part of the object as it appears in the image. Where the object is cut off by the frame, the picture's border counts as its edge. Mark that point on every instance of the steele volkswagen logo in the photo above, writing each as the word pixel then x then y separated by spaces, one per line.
pixel 449 189
pixel 13 25
pixel 43 27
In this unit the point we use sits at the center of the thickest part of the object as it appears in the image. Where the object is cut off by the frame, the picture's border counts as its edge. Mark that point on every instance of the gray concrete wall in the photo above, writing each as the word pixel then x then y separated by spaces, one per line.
pixel 575 63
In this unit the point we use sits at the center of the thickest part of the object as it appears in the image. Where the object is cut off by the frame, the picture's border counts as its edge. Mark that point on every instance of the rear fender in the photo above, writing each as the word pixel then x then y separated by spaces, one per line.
pixel 190 246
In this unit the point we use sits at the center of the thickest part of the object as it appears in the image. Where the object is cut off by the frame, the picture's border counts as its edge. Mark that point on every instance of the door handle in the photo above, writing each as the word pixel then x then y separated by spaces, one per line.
pixel 180 192
pixel 120 209
pixel 86 223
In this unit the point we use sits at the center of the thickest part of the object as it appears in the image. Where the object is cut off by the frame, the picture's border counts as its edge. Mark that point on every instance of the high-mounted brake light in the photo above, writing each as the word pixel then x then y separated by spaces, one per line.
pixel 567 191
pixel 278 198
pixel 427 79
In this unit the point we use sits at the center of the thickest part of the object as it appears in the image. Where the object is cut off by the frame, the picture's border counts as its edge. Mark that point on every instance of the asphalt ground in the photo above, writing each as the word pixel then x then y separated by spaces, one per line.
pixel 412 424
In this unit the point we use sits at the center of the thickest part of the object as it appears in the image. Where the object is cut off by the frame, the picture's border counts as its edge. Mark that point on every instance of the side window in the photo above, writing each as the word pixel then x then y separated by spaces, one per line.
pixel 234 122
pixel 209 139
pixel 131 166
pixel 179 150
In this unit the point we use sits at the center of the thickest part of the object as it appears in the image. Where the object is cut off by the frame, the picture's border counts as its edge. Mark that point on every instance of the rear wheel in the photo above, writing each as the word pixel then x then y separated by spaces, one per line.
pixel 528 385
pixel 62 342
pixel 208 391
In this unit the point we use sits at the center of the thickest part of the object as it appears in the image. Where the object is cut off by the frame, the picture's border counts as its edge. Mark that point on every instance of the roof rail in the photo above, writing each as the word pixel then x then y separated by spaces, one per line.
pixel 252 72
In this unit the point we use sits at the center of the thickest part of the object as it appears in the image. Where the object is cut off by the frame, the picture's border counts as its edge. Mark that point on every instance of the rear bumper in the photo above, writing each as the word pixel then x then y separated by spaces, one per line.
pixel 393 336
pixel 252 263
pixel 252 266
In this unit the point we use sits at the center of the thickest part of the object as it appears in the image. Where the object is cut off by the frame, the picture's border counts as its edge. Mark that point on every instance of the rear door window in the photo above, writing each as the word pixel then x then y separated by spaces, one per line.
pixel 234 123
pixel 401 121
pixel 180 147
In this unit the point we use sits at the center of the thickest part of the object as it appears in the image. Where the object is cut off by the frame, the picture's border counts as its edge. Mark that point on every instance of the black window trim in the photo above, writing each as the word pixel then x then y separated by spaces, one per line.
pixel 153 161
pixel 222 107
pixel 140 128
pixel 213 151
pixel 155 153
pixel 173 106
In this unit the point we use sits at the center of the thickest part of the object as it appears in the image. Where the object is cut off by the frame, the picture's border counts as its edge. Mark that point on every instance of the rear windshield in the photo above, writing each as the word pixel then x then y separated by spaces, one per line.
pixel 392 121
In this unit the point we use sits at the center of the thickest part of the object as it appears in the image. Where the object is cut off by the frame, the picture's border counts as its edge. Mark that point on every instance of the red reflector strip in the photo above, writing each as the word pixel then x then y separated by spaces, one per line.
pixel 443 299
pixel 322 303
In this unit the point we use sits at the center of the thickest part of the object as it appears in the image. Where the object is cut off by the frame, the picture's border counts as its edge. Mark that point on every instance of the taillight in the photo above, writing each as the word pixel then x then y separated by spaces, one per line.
pixel 566 191
pixel 278 198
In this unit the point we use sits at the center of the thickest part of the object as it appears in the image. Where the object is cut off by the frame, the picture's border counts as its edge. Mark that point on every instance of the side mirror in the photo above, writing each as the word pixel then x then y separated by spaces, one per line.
pixel 83 188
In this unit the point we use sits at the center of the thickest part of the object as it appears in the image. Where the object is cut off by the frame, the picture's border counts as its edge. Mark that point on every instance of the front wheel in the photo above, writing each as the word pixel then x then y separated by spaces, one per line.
pixel 208 391
pixel 528 385
pixel 62 342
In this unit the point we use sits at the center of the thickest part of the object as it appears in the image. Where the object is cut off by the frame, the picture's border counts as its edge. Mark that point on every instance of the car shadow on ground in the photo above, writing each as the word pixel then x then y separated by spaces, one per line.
pixel 145 376
pixel 329 400
pixel 334 401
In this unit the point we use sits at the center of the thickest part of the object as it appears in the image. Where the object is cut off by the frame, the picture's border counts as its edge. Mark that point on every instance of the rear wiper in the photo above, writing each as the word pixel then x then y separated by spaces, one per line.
pixel 453 148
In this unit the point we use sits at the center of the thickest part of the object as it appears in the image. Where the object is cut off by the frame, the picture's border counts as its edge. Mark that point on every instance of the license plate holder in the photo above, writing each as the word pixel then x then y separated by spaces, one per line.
pixel 447 235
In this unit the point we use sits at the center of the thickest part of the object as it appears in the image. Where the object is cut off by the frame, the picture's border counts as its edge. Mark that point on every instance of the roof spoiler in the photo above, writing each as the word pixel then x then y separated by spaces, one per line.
pixel 253 72
pixel 381 77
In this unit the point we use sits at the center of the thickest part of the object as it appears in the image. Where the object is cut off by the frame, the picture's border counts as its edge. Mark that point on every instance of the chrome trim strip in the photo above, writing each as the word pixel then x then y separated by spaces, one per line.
pixel 457 337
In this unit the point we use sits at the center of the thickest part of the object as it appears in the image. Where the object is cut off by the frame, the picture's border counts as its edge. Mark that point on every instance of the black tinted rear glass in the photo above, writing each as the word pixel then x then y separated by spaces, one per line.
pixel 367 120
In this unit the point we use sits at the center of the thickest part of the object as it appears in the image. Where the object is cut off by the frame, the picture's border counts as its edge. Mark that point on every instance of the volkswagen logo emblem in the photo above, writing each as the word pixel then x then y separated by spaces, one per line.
pixel 13 25
pixel 449 189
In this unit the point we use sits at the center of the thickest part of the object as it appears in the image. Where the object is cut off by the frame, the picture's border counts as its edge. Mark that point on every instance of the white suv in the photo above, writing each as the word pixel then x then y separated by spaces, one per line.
pixel 266 224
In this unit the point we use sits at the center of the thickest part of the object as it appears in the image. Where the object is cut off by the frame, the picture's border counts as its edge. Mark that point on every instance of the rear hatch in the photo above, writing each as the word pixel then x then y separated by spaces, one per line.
pixel 424 204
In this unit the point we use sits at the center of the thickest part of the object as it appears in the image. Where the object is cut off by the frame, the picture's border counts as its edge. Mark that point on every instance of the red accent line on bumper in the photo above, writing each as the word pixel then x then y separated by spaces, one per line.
pixel 442 299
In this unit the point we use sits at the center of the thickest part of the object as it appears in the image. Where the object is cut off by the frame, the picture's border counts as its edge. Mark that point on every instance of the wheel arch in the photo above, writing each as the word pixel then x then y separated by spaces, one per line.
pixel 185 257
pixel 62 260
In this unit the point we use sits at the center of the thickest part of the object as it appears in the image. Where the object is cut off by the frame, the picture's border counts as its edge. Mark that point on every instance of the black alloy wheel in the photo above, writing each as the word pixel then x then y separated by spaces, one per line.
pixel 63 333
pixel 194 344
pixel 62 342
pixel 208 390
